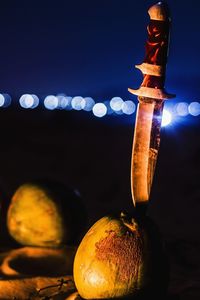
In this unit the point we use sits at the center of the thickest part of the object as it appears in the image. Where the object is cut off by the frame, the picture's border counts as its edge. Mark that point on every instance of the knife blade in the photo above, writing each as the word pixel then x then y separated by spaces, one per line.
pixel 151 95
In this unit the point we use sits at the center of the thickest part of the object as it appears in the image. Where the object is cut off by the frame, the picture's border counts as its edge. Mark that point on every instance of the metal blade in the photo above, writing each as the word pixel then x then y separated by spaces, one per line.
pixel 145 147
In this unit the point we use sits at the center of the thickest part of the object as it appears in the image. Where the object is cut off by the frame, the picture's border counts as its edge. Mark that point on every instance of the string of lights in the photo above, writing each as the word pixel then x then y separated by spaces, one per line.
pixel 115 106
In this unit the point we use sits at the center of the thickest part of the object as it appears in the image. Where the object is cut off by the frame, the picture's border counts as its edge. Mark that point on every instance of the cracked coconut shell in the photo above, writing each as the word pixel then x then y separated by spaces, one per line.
pixel 116 259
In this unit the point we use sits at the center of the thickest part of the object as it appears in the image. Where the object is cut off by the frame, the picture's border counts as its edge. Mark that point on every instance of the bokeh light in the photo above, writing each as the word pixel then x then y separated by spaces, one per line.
pixel 128 107
pixel 29 101
pixel 69 105
pixel 2 100
pixel 99 110
pixel 36 101
pixel 109 109
pixel 51 102
pixel 166 118
pixel 5 100
pixel 64 102
pixel 78 103
pixel 194 109
pixel 116 103
pixel 182 109
pixel 114 106
pixel 89 103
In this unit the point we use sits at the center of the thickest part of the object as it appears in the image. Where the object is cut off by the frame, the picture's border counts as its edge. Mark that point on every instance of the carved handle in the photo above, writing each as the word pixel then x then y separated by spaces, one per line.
pixel 156 48
pixel 156 52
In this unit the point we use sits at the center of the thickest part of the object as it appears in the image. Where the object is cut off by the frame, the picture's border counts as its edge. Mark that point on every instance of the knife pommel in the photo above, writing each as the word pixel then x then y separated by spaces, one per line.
pixel 159 12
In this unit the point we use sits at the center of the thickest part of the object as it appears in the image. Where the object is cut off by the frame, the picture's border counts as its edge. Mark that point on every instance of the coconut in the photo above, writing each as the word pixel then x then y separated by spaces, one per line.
pixel 46 214
pixel 117 258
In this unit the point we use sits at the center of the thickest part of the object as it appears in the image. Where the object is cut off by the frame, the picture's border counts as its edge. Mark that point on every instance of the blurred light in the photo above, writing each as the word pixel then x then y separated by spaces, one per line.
pixel 29 101
pixel 194 108
pixel 99 110
pixel 5 100
pixel 166 118
pixel 89 103
pixel 2 100
pixel 128 107
pixel 119 112
pixel 64 102
pixel 116 103
pixel 36 101
pixel 69 105
pixel 109 109
pixel 115 106
pixel 51 102
pixel 78 103
pixel 182 109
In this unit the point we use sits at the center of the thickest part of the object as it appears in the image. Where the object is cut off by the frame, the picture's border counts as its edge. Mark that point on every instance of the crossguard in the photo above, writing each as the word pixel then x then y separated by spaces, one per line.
pixel 156 52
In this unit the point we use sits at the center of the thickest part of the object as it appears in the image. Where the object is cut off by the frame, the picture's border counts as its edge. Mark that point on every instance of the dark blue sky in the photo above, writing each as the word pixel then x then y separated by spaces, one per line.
pixel 89 48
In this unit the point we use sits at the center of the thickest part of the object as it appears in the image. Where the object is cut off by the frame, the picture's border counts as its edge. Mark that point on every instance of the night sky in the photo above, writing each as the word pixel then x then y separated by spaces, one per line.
pixel 89 48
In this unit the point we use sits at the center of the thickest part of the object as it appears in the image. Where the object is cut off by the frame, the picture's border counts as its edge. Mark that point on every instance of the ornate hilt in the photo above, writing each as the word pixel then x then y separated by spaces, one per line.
pixel 156 52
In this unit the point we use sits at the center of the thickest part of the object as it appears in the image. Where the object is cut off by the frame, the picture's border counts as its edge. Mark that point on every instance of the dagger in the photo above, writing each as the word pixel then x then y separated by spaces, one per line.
pixel 151 96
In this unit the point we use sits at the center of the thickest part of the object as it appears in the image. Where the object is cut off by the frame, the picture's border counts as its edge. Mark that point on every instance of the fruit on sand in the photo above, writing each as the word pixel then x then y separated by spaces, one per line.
pixel 43 214
pixel 115 259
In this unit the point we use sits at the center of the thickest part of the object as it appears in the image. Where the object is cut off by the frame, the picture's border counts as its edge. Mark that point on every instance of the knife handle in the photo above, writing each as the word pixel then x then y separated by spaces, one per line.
pixel 156 53
pixel 156 48
pixel 158 35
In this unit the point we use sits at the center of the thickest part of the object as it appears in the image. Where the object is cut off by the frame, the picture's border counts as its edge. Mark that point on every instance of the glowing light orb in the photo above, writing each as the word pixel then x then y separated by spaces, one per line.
pixel 89 103
pixel 128 107
pixel 64 102
pixel 109 109
pixel 36 101
pixel 194 108
pixel 182 109
pixel 2 100
pixel 29 101
pixel 166 118
pixel 5 100
pixel 78 103
pixel 116 103
pixel 51 102
pixel 69 105
pixel 99 110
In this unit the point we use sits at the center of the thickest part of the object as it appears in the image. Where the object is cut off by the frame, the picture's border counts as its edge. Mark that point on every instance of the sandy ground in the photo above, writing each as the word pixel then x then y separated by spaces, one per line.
pixel 93 157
